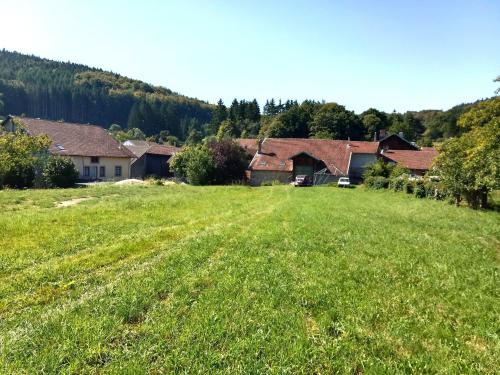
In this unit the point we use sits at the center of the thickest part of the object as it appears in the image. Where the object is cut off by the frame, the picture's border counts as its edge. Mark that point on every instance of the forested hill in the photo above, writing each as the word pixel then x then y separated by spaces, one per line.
pixel 55 90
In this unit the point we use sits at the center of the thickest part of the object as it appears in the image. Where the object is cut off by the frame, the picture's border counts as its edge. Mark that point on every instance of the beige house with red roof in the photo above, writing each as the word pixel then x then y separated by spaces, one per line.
pixel 96 155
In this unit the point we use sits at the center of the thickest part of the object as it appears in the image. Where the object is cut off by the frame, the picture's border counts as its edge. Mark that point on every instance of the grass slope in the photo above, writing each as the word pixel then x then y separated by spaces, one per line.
pixel 234 279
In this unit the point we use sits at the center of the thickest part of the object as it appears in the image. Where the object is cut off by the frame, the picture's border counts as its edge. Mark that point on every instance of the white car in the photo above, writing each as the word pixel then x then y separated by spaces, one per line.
pixel 344 182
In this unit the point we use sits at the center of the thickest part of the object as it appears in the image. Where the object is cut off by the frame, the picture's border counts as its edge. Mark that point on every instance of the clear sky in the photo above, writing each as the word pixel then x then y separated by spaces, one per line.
pixel 385 54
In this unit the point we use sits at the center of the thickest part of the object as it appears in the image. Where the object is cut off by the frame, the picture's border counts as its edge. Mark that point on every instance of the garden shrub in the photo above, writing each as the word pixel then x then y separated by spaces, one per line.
pixel 399 171
pixel 20 156
pixel 441 192
pixel 213 162
pixel 377 169
pixel 398 183
pixel 195 164
pixel 60 172
pixel 420 191
pixel 377 182
pixel 409 186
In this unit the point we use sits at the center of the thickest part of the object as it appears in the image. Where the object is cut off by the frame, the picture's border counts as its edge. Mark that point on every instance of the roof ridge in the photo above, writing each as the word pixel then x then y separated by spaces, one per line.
pixel 60 122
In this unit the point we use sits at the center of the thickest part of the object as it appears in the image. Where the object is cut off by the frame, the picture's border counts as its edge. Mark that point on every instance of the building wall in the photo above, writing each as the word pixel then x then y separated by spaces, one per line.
pixel 109 164
pixel 395 143
pixel 138 167
pixel 157 165
pixel 359 163
pixel 150 165
pixel 258 177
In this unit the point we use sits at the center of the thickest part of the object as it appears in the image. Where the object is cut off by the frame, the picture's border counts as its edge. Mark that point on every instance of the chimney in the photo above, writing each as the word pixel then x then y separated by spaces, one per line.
pixel 375 137
pixel 382 133
pixel 259 146
pixel 401 134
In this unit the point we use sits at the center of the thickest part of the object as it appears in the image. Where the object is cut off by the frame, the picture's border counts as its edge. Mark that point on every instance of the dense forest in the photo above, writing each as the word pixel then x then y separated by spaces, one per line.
pixel 130 108
pixel 54 90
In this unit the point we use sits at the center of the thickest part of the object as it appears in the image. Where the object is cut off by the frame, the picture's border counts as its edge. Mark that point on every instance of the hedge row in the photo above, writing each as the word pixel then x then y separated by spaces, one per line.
pixel 421 188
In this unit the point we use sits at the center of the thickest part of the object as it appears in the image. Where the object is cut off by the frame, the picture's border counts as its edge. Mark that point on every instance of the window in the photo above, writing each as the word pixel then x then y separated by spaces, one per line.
pixel 102 171
pixel 118 171
pixel 86 171
pixel 94 159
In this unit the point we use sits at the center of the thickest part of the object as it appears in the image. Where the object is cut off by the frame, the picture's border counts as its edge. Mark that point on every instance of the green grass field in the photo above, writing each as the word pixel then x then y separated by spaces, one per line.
pixel 154 279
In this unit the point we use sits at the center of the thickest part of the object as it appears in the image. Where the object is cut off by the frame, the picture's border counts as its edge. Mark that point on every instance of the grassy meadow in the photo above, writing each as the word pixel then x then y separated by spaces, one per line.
pixel 158 279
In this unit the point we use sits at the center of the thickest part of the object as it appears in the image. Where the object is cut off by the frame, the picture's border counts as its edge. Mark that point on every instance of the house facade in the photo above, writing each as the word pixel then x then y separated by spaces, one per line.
pixel 97 156
pixel 150 158
pixel 323 160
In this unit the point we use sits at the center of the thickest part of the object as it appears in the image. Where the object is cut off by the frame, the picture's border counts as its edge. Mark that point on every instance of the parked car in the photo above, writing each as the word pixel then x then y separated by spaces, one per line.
pixel 302 180
pixel 344 182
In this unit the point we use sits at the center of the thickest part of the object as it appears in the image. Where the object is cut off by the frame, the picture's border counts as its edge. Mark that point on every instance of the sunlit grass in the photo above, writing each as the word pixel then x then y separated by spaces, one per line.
pixel 143 279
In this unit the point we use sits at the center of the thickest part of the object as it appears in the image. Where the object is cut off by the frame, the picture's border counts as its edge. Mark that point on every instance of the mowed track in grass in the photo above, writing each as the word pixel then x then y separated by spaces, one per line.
pixel 145 279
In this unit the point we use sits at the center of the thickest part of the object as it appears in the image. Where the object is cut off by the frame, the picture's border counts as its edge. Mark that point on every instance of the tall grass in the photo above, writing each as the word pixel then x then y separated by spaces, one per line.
pixel 145 279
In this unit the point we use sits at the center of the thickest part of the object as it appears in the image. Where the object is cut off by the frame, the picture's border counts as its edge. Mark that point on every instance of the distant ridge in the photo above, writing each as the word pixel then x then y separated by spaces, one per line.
pixel 39 87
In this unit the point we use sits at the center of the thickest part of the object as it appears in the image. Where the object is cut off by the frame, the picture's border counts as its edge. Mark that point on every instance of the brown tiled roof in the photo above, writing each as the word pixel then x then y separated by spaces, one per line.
pixel 76 139
pixel 249 144
pixel 158 149
pixel 276 153
pixel 139 148
pixel 416 160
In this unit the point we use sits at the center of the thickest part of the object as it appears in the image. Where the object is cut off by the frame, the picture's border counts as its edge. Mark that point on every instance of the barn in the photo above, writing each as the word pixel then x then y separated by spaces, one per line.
pixel 282 159
pixel 151 159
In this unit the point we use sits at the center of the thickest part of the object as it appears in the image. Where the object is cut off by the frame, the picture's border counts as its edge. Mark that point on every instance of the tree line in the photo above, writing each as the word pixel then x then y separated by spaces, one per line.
pixel 315 119
pixel 54 90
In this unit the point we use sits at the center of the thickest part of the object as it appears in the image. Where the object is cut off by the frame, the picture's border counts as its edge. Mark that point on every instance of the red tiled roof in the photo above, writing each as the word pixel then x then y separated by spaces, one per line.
pixel 76 139
pixel 249 144
pixel 276 153
pixel 417 160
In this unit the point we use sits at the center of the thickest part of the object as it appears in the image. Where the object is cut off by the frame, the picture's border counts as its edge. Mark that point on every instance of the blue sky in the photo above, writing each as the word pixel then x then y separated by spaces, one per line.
pixel 389 55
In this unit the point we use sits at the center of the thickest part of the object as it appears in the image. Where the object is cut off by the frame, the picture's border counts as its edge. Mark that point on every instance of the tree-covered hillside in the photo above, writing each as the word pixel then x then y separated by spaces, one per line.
pixel 55 90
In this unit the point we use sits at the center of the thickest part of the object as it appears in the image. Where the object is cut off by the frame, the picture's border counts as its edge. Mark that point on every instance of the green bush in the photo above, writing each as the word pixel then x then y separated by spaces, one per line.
pixel 377 182
pixel 20 156
pixel 195 164
pixel 420 191
pixel 436 190
pixel 399 171
pixel 266 183
pixel 378 169
pixel 213 162
pixel 60 172
pixel 398 183
pixel 409 186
